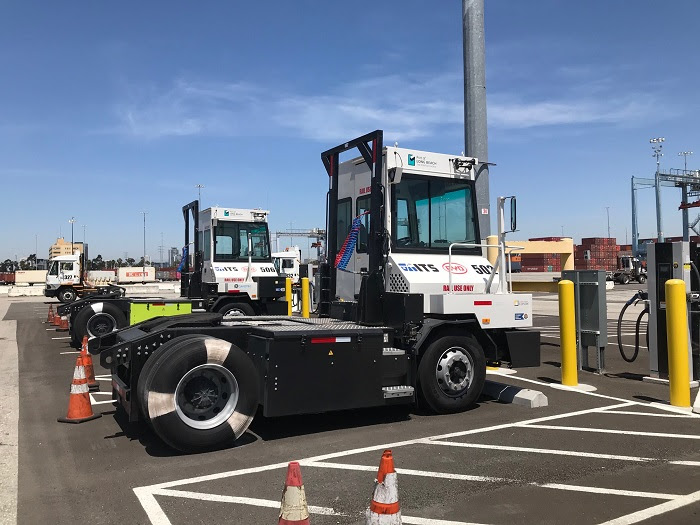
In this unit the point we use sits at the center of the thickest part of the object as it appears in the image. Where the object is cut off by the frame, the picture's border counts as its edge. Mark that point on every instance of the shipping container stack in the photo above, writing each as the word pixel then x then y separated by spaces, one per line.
pixel 596 253
pixel 542 262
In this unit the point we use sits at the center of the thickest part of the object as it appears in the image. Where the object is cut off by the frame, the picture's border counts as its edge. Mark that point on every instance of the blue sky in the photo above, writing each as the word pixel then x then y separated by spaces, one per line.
pixel 108 109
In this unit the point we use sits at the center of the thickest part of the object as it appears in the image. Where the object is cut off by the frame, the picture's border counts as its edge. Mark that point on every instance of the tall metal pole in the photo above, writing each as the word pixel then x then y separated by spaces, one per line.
pixel 657 146
pixel 475 130
pixel 635 233
pixel 144 244
pixel 684 196
pixel 199 194
pixel 607 210
pixel 72 221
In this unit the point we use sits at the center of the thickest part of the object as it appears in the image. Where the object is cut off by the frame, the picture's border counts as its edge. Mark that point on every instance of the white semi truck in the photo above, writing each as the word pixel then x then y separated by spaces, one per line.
pixel 408 308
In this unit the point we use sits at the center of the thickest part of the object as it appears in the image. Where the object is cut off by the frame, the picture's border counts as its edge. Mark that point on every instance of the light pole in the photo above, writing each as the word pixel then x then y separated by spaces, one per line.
pixel 657 146
pixel 144 244
pixel 72 222
pixel 685 158
pixel 199 195
pixel 607 210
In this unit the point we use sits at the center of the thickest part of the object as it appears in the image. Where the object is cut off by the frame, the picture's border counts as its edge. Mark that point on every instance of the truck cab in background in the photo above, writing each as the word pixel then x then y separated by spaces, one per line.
pixel 62 276
pixel 288 263
pixel 232 268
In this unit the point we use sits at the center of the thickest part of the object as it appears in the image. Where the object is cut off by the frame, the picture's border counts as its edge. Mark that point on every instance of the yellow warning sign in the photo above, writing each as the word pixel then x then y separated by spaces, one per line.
pixel 330 352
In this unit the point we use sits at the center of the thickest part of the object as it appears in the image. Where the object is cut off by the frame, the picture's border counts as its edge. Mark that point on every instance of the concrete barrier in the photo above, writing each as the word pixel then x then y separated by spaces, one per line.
pixel 4 290
pixel 25 291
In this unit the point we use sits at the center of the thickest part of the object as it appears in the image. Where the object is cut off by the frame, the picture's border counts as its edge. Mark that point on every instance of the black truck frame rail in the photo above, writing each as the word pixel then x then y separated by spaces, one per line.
pixel 284 351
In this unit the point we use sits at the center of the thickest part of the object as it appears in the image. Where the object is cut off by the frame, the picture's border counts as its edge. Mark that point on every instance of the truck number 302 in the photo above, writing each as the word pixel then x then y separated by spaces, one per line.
pixel 482 269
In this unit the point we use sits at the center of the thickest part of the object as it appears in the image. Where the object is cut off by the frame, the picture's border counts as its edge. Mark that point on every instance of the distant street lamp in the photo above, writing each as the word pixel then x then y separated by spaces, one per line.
pixel 72 222
pixel 657 146
pixel 685 158
pixel 199 195
pixel 607 209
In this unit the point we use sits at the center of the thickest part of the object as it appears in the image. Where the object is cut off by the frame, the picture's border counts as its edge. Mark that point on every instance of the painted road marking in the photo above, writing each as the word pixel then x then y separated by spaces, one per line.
pixel 70 352
pixel 554 452
pixel 60 338
pixel 93 401
pixel 595 394
pixel 157 516
pixel 611 431
pixel 632 413
pixel 645 514
pixel 487 479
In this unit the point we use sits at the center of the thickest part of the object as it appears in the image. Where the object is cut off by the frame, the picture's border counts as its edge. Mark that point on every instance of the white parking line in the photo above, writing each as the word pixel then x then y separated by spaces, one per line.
pixel 60 338
pixel 157 516
pixel 255 502
pixel 657 510
pixel 632 413
pixel 70 352
pixel 554 452
pixel 487 479
pixel 408 472
pixel 612 431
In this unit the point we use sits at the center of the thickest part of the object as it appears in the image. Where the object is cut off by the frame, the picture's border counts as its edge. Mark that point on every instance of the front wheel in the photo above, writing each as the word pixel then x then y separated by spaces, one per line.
pixel 642 279
pixel 452 373
pixel 199 393
pixel 66 295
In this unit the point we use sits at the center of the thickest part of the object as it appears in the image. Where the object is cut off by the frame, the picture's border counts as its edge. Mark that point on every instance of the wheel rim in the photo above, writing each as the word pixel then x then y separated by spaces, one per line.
pixel 454 371
pixel 206 396
pixel 234 312
pixel 67 296
pixel 101 324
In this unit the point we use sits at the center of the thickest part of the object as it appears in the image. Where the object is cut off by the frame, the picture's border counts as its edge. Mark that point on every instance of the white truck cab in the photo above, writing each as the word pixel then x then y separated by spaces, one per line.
pixel 62 275
pixel 434 247
pixel 233 263
pixel 288 263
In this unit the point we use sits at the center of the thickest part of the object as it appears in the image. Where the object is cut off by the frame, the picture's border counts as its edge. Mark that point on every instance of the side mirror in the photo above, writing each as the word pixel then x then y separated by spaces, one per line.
pixel 513 215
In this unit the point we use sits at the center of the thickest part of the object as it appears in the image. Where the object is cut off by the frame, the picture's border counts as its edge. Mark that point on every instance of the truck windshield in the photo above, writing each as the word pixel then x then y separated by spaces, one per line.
pixel 429 214
pixel 53 268
pixel 231 242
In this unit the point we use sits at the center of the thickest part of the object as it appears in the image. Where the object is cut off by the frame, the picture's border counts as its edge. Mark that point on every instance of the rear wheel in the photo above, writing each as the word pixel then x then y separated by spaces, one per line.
pixel 66 295
pixel 452 372
pixel 98 319
pixel 233 310
pixel 642 279
pixel 199 393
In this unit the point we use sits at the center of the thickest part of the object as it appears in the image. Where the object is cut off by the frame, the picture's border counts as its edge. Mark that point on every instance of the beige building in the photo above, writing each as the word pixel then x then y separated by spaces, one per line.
pixel 62 247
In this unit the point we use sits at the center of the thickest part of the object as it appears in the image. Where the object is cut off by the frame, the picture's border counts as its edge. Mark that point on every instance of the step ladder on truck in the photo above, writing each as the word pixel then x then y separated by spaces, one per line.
pixel 409 308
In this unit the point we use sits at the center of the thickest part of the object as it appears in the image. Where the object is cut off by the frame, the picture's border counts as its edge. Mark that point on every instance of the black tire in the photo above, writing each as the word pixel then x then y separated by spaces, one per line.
pixel 97 319
pixel 236 310
pixel 66 295
pixel 463 377
pixel 141 390
pixel 642 279
pixel 624 279
pixel 172 393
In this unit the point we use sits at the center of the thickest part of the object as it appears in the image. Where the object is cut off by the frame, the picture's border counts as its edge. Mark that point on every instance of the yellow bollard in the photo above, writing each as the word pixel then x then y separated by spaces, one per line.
pixel 567 333
pixel 677 336
pixel 305 297
pixel 492 250
pixel 288 295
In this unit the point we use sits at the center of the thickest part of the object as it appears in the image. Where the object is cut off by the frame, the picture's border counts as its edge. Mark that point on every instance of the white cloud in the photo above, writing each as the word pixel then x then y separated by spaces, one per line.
pixel 406 107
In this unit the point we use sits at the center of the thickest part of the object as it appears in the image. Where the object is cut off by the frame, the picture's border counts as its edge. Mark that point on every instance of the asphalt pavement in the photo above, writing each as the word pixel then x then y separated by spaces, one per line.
pixel 616 455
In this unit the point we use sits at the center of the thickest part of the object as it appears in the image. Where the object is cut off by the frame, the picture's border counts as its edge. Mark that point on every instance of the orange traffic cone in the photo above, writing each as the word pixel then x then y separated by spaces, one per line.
pixel 93 385
pixel 56 321
pixel 50 318
pixel 79 406
pixel 294 510
pixel 384 508
pixel 63 323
